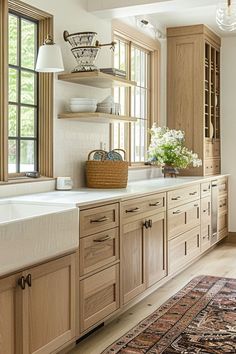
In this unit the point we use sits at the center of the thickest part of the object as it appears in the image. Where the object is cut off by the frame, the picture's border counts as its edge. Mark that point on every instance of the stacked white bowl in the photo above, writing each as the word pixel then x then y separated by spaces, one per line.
pixel 83 105
pixel 107 106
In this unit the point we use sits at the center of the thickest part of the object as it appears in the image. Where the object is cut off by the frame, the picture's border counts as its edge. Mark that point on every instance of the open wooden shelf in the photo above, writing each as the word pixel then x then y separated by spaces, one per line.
pixel 96 117
pixel 96 79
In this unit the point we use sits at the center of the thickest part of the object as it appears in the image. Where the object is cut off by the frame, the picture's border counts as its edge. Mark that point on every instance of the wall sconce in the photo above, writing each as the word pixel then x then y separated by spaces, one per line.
pixel 49 58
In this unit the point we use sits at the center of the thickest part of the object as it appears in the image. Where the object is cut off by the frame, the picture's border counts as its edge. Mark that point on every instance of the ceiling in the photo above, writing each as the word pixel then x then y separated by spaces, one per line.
pixel 162 13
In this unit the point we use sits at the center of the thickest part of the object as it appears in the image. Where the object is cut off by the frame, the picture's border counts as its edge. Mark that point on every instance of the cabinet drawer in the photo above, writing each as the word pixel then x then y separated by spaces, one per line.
pixel 183 218
pixel 131 209
pixel 183 249
pixel 212 149
pixel 223 186
pixel 98 219
pixel 99 297
pixel 223 222
pixel 223 205
pixel 98 250
pixel 205 223
pixel 212 167
pixel 205 189
pixel 183 195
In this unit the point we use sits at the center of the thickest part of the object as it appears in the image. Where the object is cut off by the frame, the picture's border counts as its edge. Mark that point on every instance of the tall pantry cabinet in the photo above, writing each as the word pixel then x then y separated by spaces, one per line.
pixel 194 92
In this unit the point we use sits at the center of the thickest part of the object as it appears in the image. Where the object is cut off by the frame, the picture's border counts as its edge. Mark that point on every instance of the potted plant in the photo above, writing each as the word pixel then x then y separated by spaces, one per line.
pixel 167 150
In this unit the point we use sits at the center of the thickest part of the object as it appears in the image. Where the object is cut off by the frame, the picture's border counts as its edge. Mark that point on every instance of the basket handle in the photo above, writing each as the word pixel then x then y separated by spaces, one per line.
pixel 93 151
pixel 124 152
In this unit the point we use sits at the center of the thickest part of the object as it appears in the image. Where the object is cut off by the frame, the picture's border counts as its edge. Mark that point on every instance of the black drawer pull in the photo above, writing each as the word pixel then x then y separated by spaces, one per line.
pixel 154 204
pixel 103 219
pixel 193 193
pixel 21 283
pixel 29 280
pixel 135 210
pixel 176 198
pixel 177 212
pixel 103 239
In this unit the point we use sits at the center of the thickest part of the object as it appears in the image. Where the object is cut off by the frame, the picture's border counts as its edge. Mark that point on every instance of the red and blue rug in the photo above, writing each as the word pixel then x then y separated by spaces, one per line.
pixel 199 319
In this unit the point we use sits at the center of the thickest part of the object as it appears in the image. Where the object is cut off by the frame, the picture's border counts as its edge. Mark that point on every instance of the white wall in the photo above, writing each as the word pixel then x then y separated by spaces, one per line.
pixel 228 123
pixel 73 139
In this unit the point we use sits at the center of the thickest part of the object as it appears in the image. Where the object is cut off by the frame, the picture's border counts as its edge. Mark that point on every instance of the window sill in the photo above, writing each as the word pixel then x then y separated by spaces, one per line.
pixel 20 180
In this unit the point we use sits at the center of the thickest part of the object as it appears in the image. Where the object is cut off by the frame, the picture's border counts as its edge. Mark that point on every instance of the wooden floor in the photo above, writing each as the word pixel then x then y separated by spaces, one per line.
pixel 219 262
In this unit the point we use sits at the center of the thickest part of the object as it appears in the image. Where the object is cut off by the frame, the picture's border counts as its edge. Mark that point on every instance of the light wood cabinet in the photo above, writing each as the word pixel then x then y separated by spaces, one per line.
pixel 156 247
pixel 183 249
pixel 183 218
pixel 37 308
pixel 144 254
pixel 183 195
pixel 99 296
pixel 11 315
pixel 205 223
pixel 98 219
pixel 194 104
pixel 133 260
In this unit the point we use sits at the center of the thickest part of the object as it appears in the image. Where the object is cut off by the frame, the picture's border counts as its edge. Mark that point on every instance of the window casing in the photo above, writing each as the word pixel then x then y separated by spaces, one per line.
pixel 31 116
pixel 140 63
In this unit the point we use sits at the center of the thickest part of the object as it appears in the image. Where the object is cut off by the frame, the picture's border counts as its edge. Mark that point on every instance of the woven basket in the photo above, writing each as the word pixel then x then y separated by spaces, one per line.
pixel 106 174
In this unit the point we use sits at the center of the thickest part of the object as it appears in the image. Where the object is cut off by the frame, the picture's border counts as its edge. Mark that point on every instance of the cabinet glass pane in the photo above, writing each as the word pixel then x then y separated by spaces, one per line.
pixel 12 120
pixel 13 40
pixel 27 155
pixel 27 87
pixel 12 153
pixel 13 84
pixel 27 122
pixel 28 44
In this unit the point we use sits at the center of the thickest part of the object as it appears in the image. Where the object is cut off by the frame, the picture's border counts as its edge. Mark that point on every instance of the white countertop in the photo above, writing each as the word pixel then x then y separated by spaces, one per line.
pixel 86 196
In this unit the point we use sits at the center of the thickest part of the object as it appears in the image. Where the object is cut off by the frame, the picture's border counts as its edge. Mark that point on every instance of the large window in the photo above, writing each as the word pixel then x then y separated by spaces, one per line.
pixel 136 60
pixel 23 98
pixel 26 99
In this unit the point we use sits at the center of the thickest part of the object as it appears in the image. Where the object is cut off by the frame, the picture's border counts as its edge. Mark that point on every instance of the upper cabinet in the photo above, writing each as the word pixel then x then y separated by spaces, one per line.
pixel 194 92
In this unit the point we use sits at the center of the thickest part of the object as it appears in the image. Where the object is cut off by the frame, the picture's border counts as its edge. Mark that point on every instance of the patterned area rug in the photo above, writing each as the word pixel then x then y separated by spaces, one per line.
pixel 199 319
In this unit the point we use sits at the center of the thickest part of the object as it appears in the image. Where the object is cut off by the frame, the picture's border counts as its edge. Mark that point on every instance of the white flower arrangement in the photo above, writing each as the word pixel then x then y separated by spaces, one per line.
pixel 167 149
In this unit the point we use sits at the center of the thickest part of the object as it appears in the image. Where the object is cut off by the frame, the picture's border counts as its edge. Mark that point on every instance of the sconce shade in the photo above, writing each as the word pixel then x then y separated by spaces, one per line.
pixel 49 59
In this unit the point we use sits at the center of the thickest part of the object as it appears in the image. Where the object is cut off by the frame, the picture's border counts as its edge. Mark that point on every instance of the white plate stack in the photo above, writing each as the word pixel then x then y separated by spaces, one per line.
pixel 83 105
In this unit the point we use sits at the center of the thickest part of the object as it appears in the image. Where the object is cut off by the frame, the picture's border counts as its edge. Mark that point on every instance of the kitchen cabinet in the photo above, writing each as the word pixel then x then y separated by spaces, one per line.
pixel 194 105
pixel 205 223
pixel 183 249
pixel 99 296
pixel 143 241
pixel 11 315
pixel 98 281
pixel 38 308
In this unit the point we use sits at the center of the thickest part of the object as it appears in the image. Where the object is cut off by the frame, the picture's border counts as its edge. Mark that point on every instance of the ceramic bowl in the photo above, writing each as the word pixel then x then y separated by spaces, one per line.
pixel 84 39
pixel 85 55
pixel 85 101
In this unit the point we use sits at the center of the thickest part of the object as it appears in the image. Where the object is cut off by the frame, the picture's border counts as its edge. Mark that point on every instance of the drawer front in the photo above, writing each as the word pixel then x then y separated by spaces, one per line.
pixel 183 249
pixel 223 233
pixel 98 219
pixel 223 222
pixel 183 195
pixel 212 149
pixel 99 297
pixel 212 167
pixel 131 209
pixel 206 209
pixel 183 218
pixel 205 189
pixel 98 250
pixel 223 205
pixel 223 186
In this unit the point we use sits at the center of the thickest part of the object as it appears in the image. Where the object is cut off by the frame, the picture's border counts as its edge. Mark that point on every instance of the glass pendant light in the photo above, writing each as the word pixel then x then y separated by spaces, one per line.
pixel 49 57
pixel 226 15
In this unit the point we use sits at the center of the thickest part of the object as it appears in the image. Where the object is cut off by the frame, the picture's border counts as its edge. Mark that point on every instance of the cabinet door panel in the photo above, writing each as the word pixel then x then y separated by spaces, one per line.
pixel 205 223
pixel 133 258
pixel 99 296
pixel 49 306
pixel 155 239
pixel 10 312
